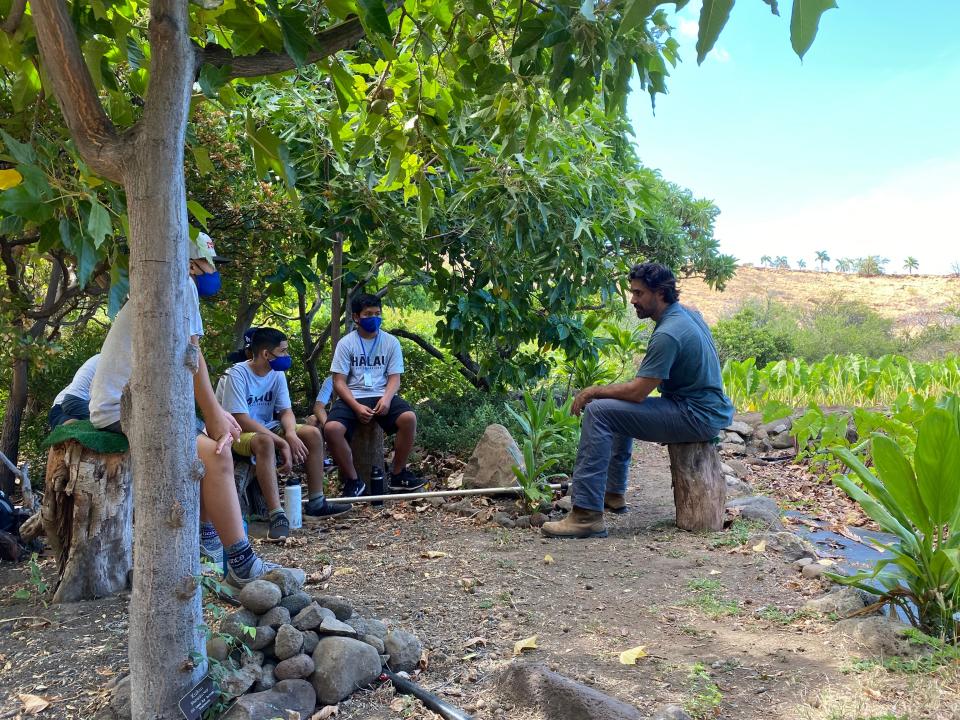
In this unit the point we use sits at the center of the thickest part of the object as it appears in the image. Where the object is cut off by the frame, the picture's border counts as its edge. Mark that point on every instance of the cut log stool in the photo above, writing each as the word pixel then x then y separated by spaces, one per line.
pixel 699 490
pixel 252 504
pixel 87 515
pixel 367 447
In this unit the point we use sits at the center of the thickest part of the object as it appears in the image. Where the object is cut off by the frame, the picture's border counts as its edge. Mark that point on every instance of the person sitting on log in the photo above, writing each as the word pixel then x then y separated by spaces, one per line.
pixel 255 392
pixel 73 402
pixel 681 360
pixel 366 368
pixel 221 524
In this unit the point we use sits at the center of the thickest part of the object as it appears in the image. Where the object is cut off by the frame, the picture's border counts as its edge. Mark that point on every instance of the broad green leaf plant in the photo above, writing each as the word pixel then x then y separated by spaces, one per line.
pixel 915 497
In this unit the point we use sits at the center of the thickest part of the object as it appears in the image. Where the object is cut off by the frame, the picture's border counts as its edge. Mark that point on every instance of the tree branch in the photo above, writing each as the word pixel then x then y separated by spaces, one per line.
pixel 329 42
pixel 12 23
pixel 96 138
pixel 468 372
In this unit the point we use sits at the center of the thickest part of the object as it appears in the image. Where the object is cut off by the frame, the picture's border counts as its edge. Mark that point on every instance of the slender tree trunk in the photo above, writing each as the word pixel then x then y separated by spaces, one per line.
pixel 309 359
pixel 165 612
pixel 336 294
pixel 12 417
pixel 245 314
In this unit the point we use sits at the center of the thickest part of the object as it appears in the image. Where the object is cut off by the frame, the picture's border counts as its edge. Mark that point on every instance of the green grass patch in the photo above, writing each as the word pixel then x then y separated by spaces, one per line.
pixel 707 598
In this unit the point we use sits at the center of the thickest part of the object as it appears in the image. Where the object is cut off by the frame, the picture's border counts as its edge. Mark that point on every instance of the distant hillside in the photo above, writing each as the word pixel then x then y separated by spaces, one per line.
pixel 911 300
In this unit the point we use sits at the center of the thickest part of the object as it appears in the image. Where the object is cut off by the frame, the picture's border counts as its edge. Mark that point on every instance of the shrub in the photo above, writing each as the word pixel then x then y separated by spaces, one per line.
pixel 838 326
pixel 750 333
pixel 916 497
pixel 453 424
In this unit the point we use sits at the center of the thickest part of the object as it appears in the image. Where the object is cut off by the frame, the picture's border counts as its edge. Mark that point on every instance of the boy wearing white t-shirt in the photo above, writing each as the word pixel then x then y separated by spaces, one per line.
pixel 255 392
pixel 73 402
pixel 366 368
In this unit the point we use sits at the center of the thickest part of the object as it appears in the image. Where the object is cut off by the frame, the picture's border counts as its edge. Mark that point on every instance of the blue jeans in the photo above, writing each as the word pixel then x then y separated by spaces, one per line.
pixel 71 408
pixel 606 440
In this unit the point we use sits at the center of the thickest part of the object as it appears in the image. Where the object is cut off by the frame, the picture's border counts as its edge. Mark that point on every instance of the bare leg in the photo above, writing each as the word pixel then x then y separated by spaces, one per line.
pixel 266 454
pixel 403 443
pixel 218 493
pixel 336 436
pixel 313 439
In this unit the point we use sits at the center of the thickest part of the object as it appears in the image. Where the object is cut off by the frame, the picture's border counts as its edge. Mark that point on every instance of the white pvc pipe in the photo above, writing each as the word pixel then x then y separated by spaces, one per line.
pixel 439 493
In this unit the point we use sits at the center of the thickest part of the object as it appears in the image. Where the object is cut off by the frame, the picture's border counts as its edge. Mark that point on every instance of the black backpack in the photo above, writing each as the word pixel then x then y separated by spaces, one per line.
pixel 8 518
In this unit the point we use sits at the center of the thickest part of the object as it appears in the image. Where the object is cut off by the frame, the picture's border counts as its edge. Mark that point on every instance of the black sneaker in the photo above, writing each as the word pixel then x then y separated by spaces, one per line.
pixel 354 488
pixel 405 481
pixel 319 507
pixel 279 528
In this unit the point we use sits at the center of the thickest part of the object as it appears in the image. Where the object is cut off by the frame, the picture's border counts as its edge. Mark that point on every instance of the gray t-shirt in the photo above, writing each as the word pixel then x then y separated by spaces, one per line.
pixel 682 354
pixel 116 360
pixel 241 390
pixel 367 363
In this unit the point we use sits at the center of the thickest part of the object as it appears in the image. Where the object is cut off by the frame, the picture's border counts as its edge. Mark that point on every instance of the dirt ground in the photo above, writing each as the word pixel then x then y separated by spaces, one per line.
pixel 716 618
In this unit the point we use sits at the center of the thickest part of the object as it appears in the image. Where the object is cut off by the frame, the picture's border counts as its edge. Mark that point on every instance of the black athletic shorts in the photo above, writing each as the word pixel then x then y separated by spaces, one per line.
pixel 343 414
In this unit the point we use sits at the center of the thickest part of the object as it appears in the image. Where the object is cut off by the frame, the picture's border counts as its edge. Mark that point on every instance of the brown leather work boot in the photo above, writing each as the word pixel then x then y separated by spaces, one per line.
pixel 615 503
pixel 579 523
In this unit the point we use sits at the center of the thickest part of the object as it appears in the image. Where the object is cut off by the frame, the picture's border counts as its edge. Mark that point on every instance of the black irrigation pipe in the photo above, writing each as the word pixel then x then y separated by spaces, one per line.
pixel 431 701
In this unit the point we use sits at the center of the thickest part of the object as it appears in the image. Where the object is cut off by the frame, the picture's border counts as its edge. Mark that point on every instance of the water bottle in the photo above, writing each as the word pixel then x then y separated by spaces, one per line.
pixel 292 503
pixel 377 486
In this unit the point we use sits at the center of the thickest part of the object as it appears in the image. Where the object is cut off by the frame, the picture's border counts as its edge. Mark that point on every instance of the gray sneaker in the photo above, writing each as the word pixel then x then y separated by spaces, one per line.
pixel 259 568
pixel 211 560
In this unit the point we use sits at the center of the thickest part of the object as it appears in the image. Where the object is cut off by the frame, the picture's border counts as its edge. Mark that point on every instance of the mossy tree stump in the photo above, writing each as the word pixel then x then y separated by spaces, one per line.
pixel 699 490
pixel 87 516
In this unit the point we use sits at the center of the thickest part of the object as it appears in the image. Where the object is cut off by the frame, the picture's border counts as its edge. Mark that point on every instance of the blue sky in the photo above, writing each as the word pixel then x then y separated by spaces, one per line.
pixel 855 150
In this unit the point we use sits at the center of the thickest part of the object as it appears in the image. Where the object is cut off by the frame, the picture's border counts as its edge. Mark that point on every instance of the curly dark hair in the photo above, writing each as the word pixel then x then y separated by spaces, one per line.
pixel 658 278
pixel 362 302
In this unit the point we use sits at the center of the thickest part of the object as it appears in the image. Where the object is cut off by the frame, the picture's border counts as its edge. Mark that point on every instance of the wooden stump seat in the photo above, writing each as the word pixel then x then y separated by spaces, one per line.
pixel 367 447
pixel 699 490
pixel 87 516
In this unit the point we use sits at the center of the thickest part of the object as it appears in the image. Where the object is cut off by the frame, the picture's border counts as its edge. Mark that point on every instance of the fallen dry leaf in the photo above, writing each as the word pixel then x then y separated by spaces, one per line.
pixel 760 547
pixel 33 704
pixel 326 712
pixel 475 641
pixel 630 657
pixel 529 643
pixel 548 560
pixel 433 554
pixel 344 571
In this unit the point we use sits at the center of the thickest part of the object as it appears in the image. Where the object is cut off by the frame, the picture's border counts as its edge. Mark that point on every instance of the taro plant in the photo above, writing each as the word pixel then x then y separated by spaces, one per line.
pixel 916 497
pixel 533 479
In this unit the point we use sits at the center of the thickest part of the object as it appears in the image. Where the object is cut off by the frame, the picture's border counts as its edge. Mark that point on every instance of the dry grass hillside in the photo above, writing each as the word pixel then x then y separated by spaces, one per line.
pixel 912 301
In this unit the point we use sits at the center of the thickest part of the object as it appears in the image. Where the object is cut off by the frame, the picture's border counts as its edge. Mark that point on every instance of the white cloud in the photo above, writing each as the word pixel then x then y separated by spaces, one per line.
pixel 720 55
pixel 909 213
pixel 688 28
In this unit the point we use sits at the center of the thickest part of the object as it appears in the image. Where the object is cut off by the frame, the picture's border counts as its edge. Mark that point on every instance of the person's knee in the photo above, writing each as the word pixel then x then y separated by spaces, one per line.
pixel 261 444
pixel 214 465
pixel 334 431
pixel 407 420
pixel 311 436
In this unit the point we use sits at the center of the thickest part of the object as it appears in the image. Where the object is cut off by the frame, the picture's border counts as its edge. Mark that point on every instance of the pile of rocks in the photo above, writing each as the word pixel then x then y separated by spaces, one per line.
pixel 748 435
pixel 302 651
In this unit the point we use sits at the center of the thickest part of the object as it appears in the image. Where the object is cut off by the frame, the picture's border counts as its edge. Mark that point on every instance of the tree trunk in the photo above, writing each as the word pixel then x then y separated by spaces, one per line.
pixel 87 517
pixel 367 448
pixel 12 417
pixel 699 489
pixel 306 337
pixel 336 293
pixel 165 612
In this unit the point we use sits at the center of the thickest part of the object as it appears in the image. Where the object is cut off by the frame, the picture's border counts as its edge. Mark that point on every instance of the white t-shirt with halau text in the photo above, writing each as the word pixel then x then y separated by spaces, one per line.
pixel 367 363
pixel 262 397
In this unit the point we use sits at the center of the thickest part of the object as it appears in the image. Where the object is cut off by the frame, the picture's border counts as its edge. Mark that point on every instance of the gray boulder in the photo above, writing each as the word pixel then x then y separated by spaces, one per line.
pixel 376 643
pixel 554 696
pixel 267 679
pixel 671 712
pixel 261 640
pixel 880 635
pixel 295 668
pixel 296 602
pixel 741 428
pixel 377 627
pixel 297 696
pixel 342 666
pixel 259 596
pixel 217 649
pixel 237 681
pixel 782 441
pixel 289 642
pixel 289 580
pixel 311 616
pixel 759 508
pixel 842 600
pixel 233 623
pixel 310 640
pixel 340 607
pixel 332 626
pixel 404 650
pixel 275 617
pixel 787 544
pixel 492 461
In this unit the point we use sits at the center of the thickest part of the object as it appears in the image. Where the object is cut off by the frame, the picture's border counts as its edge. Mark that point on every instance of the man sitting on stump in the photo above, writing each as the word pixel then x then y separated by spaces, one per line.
pixel 682 361
pixel 366 368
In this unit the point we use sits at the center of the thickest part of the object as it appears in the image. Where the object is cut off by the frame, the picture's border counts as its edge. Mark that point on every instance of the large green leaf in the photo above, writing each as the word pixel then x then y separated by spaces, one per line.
pixel 937 464
pixel 804 22
pixel 876 511
pixel 871 484
pixel 373 15
pixel 900 481
pixel 713 16
pixel 98 223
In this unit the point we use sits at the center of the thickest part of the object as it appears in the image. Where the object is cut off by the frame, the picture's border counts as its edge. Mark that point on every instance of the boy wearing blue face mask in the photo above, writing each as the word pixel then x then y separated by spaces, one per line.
pixel 255 393
pixel 367 365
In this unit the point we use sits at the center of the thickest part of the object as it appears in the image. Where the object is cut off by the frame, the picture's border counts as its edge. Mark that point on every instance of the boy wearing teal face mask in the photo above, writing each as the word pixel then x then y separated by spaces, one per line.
pixel 367 365
pixel 255 392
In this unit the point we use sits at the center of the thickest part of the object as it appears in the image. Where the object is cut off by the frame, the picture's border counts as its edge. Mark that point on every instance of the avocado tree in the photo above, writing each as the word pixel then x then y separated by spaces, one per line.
pixel 125 74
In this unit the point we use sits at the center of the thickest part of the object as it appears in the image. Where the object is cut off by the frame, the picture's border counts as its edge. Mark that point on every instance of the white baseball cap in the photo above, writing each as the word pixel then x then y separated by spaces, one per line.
pixel 202 249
